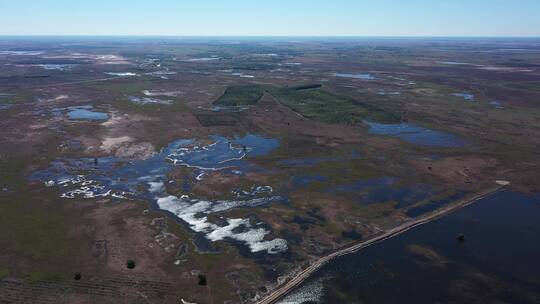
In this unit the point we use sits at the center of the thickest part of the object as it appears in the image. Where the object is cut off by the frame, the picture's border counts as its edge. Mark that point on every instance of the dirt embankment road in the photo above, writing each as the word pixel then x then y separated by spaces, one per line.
pixel 306 273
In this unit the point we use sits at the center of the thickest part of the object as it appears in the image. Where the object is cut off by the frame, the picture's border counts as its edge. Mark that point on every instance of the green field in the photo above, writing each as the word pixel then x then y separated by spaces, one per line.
pixel 240 96
pixel 321 105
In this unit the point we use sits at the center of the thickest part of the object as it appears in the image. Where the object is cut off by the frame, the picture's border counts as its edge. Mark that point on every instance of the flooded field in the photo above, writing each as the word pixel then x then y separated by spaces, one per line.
pixel 452 63
pixel 111 177
pixel 5 106
pixel 416 135
pixel 465 96
pixel 384 189
pixel 122 74
pixel 495 263
pixel 57 67
pixel 361 76
pixel 81 113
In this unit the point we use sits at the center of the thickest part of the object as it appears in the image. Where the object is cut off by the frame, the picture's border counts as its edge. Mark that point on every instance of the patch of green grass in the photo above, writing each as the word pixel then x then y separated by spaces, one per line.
pixel 4 273
pixel 241 95
pixel 218 119
pixel 298 147
pixel 35 276
pixel 33 231
pixel 321 105
pixel 341 172
pixel 32 223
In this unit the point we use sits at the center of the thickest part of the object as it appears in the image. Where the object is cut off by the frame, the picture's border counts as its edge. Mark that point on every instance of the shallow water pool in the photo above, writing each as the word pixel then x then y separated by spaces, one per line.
pixel 362 76
pixel 86 113
pixel 416 135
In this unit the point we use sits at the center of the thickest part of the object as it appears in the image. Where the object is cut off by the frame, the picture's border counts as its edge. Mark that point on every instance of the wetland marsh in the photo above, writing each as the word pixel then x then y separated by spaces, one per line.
pixel 223 168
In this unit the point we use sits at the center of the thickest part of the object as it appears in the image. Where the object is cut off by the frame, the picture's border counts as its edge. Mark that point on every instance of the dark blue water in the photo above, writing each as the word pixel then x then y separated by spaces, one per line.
pixel 498 262
pixel 433 205
pixel 416 135
pixel 258 145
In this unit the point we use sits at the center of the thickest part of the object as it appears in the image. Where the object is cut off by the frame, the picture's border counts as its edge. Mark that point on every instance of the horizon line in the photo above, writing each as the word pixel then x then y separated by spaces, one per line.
pixel 269 36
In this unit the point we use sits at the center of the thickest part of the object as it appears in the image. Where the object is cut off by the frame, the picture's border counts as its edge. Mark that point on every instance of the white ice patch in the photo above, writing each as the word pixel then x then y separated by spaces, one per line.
pixel 81 187
pixel 293 63
pixel 200 176
pixel 195 214
pixel 97 58
pixel 22 53
pixel 156 187
pixel 121 74
pixel 161 74
pixel 242 75
pixel 452 63
pixel 148 100
pixel 160 93
pixel 310 293
pixel 202 59
pixel 109 59
pixel 57 67
pixel 102 178
pixel 199 156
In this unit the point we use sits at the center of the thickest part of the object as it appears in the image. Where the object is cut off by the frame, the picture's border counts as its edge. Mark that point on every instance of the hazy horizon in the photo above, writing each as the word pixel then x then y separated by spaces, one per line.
pixel 242 18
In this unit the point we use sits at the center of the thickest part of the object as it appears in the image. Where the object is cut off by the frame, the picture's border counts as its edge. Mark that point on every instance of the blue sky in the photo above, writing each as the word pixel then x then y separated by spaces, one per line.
pixel 271 17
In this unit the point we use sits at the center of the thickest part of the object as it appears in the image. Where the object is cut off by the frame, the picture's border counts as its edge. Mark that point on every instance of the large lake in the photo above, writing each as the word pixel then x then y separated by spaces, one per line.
pixel 497 262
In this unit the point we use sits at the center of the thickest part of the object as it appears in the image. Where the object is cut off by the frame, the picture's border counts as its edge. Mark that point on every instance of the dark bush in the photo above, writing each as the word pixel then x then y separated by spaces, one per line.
pixel 202 280
pixel 130 264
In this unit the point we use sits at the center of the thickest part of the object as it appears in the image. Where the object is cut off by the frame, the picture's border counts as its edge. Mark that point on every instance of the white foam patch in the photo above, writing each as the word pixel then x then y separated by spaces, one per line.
pixel 148 100
pixel 194 213
pixel 58 67
pixel 293 63
pixel 310 293
pixel 202 59
pixel 161 74
pixel 200 176
pixel 22 53
pixel 123 74
pixel 183 156
pixel 162 93
pixel 97 58
pixel 85 188
pixel 155 187
pixel 242 75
